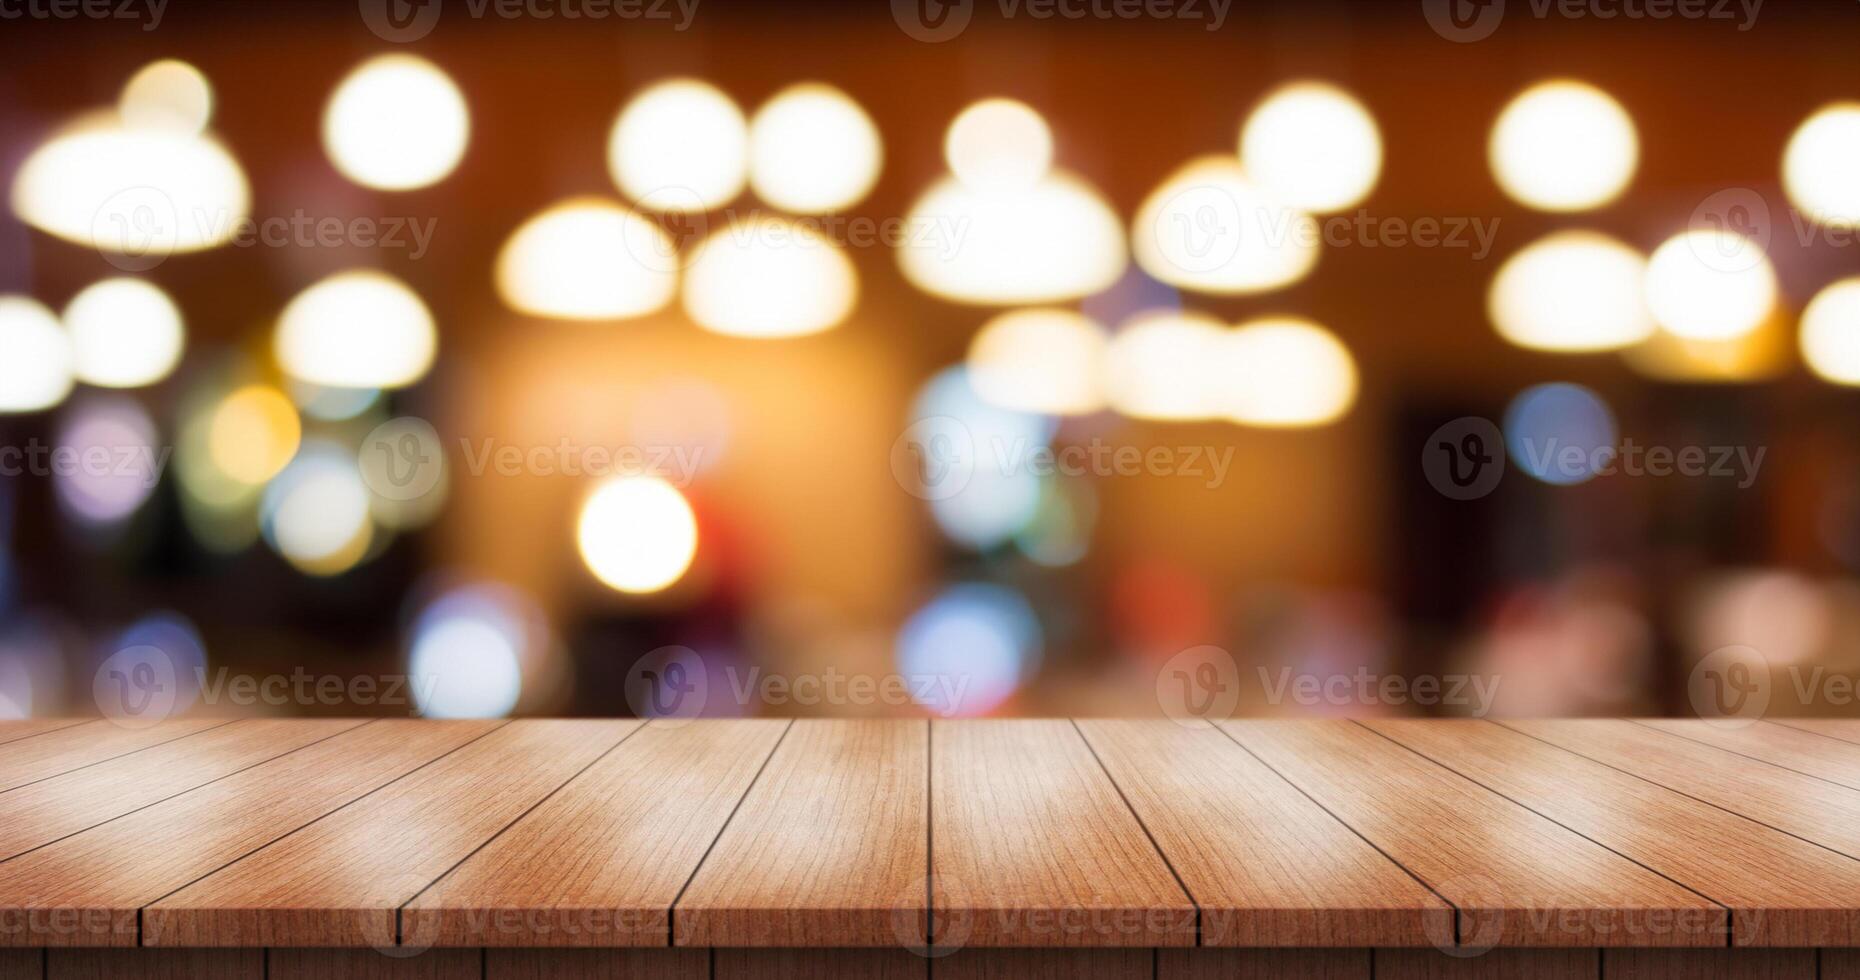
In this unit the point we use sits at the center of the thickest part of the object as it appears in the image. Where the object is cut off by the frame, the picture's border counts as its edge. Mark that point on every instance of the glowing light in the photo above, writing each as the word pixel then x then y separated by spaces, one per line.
pixel 253 434
pixel 1571 291
pixel 396 123
pixel 1045 361
pixel 973 452
pixel 588 259
pixel 172 643
pixel 1210 228
pixel 981 640
pixel 999 144
pixel 1564 146
pixel 315 513
pixel 1060 532
pixel 466 655
pixel 1821 165
pixel 1765 352
pixel 125 333
pixel 1313 146
pixel 1284 372
pixel 637 534
pixel 812 149
pixel 167 94
pixel 331 404
pixel 1053 241
pixel 1710 285
pixel 119 432
pixel 1560 433
pixel 766 276
pixel 356 329
pixel 35 374
pixel 1831 332
pixel 679 146
pixel 1161 366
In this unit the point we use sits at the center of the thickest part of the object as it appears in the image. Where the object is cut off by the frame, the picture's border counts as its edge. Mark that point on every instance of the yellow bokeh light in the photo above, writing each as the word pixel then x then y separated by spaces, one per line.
pixel 253 434
pixel 35 370
pixel 1313 146
pixel 1054 241
pixel 125 333
pixel 1759 355
pixel 588 259
pixel 1210 228
pixel 637 534
pixel 1282 372
pixel 1163 365
pixel 1564 146
pixel 1710 285
pixel 680 146
pixel 764 276
pixel 1049 362
pixel 812 149
pixel 1821 165
pixel 999 145
pixel 356 329
pixel 397 122
pixel 1830 335
pixel 167 94
pixel 1571 291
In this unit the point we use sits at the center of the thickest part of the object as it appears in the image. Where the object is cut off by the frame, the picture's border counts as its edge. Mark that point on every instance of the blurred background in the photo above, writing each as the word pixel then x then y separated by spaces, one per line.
pixel 1016 358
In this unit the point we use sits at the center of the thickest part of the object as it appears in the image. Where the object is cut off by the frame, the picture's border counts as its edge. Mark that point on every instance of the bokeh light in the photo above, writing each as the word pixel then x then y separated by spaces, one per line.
pixel 175 642
pixel 253 434
pixel 1830 335
pixel 680 146
pixel 1282 372
pixel 970 648
pixel 466 654
pixel 1313 146
pixel 1821 165
pixel 125 333
pixel 36 373
pixel 1564 146
pixel 1163 364
pixel 397 122
pixel 637 534
pixel 1053 241
pixel 812 150
pixel 768 276
pixel 588 259
pixel 167 94
pixel 316 513
pixel 114 441
pixel 985 489
pixel 357 329
pixel 1560 433
pixel 1209 227
pixel 1042 360
pixel 1710 285
pixel 1571 291
pixel 999 145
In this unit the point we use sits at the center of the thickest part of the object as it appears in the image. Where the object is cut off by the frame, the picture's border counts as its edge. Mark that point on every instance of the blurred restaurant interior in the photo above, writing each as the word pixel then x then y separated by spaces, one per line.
pixel 1061 350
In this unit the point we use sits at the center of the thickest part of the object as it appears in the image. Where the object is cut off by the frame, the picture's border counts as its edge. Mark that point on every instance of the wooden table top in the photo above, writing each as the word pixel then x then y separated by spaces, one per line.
pixel 775 833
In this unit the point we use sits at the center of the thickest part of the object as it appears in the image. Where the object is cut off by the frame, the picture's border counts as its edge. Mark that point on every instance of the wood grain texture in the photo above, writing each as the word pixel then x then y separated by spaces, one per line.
pixel 62 750
pixel 1516 878
pixel 1791 748
pixel 13 731
pixel 597 964
pixel 1782 891
pixel 1266 866
pixel 1709 964
pixel 1263 964
pixel 1031 845
pixel 22 964
pixel 1046 964
pixel 829 848
pixel 1845 729
pixel 155 964
pixel 368 964
pixel 1807 807
pixel 35 815
pixel 601 861
pixel 806 964
pixel 1495 964
pixel 1839 964
pixel 341 880
pixel 85 890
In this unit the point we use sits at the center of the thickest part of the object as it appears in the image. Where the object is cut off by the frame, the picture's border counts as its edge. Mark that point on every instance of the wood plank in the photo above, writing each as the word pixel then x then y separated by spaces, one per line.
pixel 1791 748
pixel 1032 845
pixel 597 964
pixel 1516 878
pixel 35 815
pixel 1845 729
pixel 1840 964
pixel 369 964
pixel 1782 891
pixel 1266 866
pixel 1495 964
pixel 86 890
pixel 806 964
pixel 33 759
pixel 341 880
pixel 18 728
pixel 829 849
pixel 1263 964
pixel 1801 805
pixel 1709 964
pixel 161 964
pixel 1047 964
pixel 22 964
pixel 601 862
